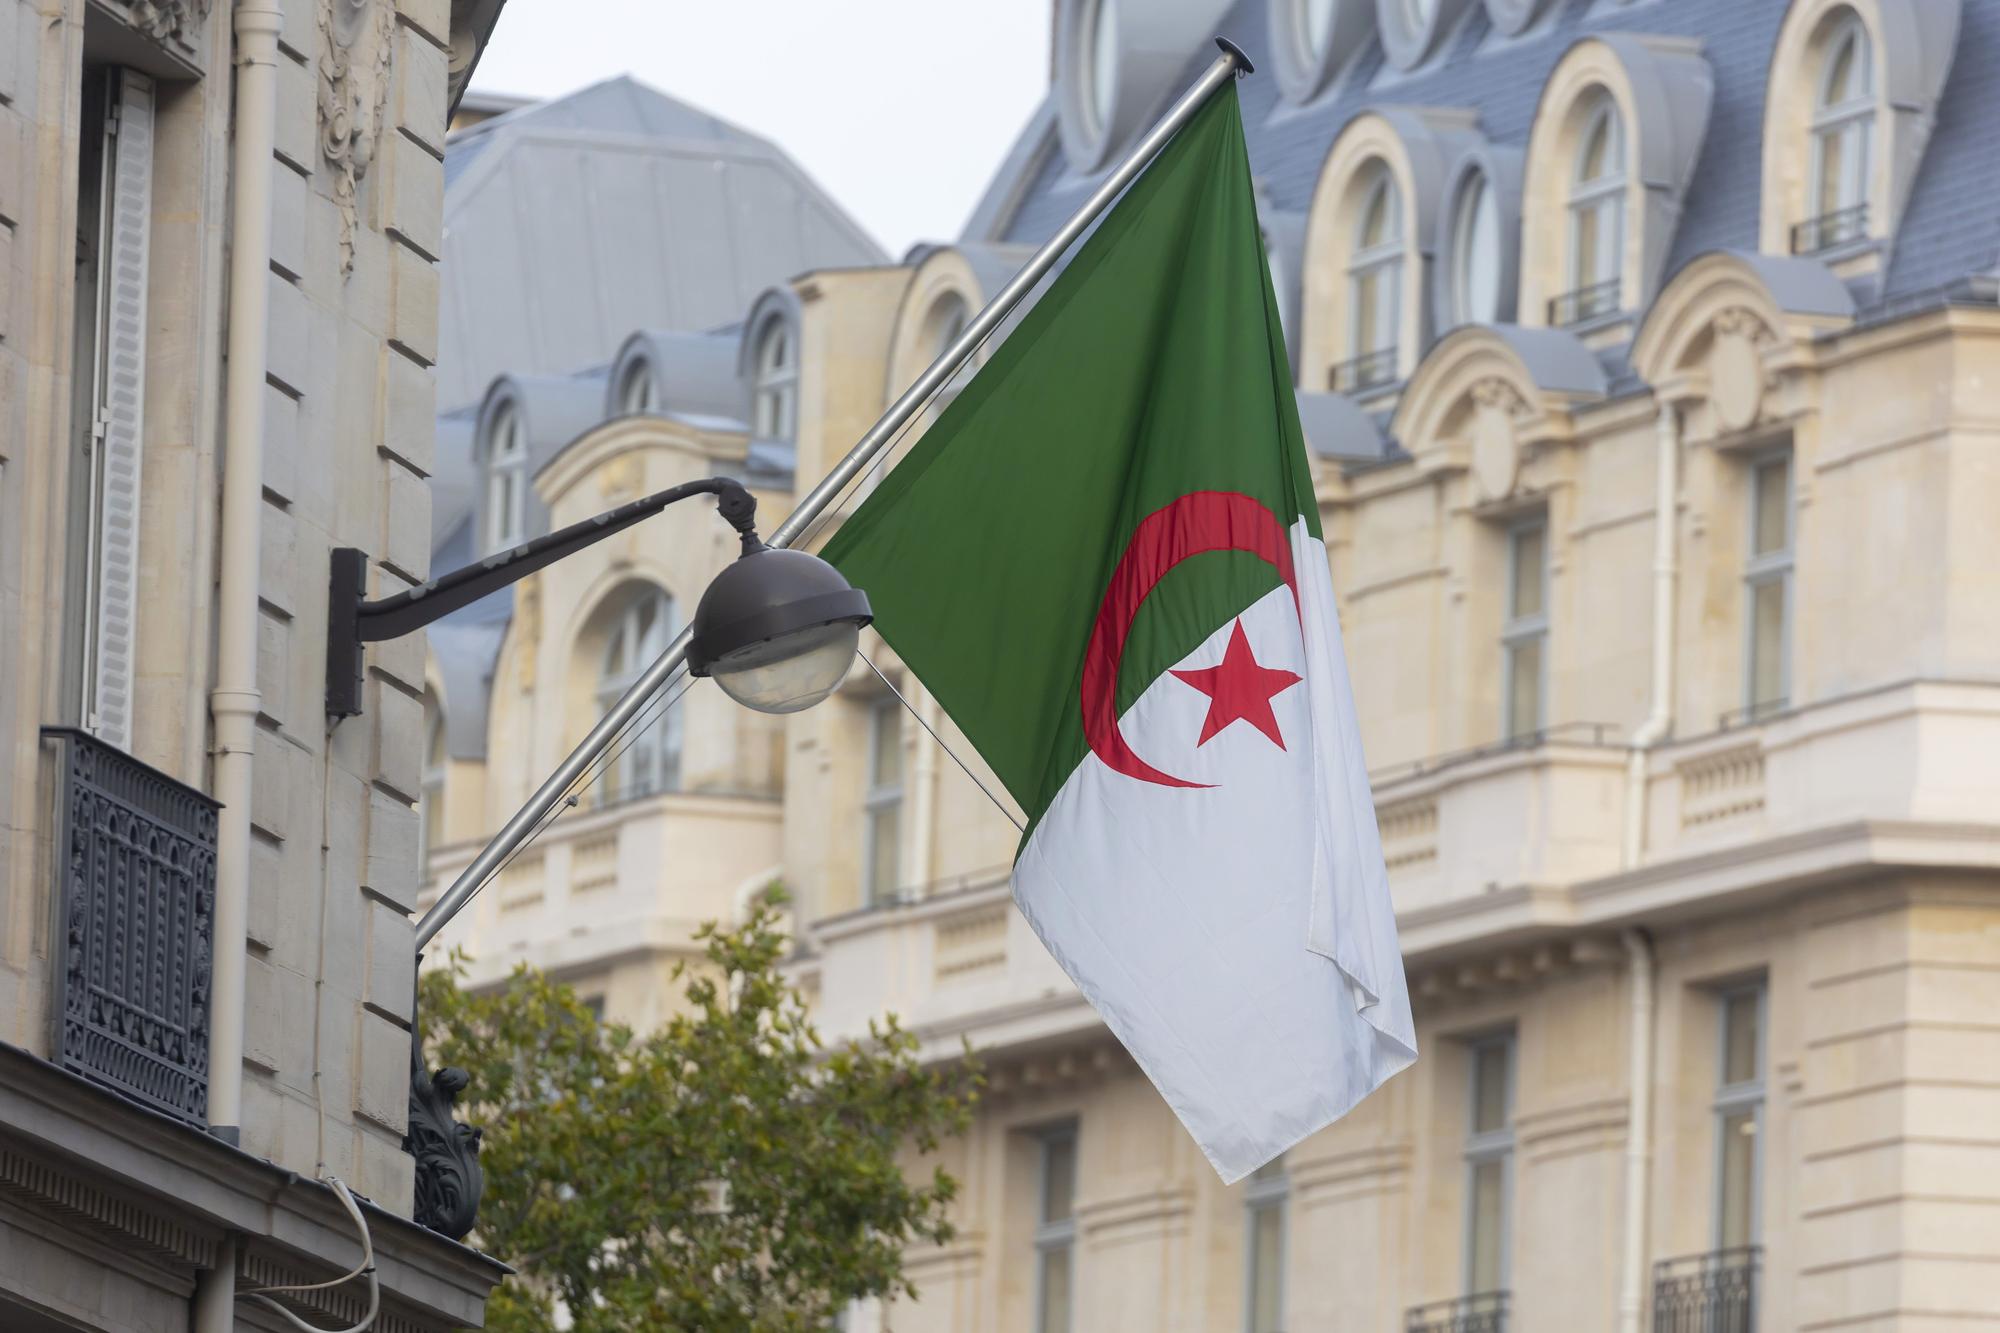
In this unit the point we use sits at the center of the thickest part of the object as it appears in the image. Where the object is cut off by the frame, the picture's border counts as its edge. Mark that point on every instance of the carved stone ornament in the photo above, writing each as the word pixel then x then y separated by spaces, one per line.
pixel 175 20
pixel 1736 369
pixel 1496 447
pixel 357 43
pixel 446 1153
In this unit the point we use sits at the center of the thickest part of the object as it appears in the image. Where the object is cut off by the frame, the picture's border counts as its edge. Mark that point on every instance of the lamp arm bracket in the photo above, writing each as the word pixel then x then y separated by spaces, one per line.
pixel 353 622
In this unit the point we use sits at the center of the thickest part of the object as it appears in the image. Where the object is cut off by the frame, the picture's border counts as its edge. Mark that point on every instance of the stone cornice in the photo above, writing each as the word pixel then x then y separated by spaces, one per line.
pixel 174 1190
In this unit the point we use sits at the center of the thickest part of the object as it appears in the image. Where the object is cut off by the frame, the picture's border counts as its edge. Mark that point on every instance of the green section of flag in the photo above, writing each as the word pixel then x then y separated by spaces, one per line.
pixel 1154 366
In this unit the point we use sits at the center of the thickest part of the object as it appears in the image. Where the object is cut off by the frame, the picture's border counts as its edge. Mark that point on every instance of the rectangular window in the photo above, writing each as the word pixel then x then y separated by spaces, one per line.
pixel 1524 635
pixel 1055 1233
pixel 1767 579
pixel 1739 1115
pixel 1489 1154
pixel 114 219
pixel 1266 1202
pixel 882 852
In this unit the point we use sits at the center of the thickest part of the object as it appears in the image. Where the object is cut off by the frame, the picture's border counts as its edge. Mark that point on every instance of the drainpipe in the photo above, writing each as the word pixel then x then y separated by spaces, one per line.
pixel 234 700
pixel 1638 1133
pixel 1665 568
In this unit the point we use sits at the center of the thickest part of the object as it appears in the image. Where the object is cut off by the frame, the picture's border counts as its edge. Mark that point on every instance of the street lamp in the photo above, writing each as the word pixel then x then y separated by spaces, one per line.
pixel 778 629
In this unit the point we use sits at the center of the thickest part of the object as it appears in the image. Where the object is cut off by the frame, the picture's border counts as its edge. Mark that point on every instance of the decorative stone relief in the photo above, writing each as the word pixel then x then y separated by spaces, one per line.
pixel 620 477
pixel 175 20
pixel 357 43
pixel 464 46
pixel 1496 446
pixel 1736 368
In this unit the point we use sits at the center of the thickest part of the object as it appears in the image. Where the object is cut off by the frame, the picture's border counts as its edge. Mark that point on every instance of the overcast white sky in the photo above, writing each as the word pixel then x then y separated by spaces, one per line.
pixel 901 109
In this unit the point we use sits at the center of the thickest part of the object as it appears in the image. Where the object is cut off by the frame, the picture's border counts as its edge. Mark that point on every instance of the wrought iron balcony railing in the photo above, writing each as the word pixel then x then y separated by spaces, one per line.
pixel 1707 1293
pixel 1367 371
pixel 1482 1312
pixel 1830 229
pixel 1600 298
pixel 135 868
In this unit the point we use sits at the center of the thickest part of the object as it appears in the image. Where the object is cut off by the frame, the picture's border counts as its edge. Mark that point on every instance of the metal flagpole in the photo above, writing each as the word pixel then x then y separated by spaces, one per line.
pixel 529 817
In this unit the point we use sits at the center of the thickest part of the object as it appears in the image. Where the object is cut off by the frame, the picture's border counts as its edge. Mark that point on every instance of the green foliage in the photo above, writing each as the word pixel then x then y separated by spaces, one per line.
pixel 605 1149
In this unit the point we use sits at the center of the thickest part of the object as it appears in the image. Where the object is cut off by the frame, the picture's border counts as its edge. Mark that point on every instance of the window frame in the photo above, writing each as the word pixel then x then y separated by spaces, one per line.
pixel 1382 262
pixel 1831 123
pixel 506 479
pixel 1776 566
pixel 1262 1194
pixel 660 741
pixel 1516 630
pixel 1733 1098
pixel 879 796
pixel 775 389
pixel 1051 1237
pixel 1483 1148
pixel 1587 197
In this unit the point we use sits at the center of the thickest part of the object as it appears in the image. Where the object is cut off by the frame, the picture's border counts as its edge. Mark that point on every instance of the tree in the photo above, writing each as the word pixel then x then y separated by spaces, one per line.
pixel 725 1172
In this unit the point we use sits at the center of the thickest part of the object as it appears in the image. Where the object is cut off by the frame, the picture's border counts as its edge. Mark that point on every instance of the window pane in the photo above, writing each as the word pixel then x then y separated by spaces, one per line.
pixel 1054 1314
pixel 1318 24
pixel 1771 507
pixel 1767 643
pixel 1832 162
pixel 886 753
pixel 1736 1202
pixel 884 851
pixel 1524 687
pixel 1104 61
pixel 1530 567
pixel 1488 1209
pixel 1739 1038
pixel 1489 1087
pixel 1267 1225
pixel 1058 1178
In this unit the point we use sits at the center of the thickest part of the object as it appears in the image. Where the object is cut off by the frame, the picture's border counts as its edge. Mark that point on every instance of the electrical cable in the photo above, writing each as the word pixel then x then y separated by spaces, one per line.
pixel 262 1295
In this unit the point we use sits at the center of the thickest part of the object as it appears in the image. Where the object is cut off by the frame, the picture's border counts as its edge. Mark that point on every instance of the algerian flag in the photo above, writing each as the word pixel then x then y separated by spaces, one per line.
pixel 1104 560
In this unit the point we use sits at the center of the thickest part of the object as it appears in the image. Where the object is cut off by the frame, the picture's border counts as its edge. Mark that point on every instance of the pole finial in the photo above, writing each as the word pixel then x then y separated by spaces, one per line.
pixel 1243 65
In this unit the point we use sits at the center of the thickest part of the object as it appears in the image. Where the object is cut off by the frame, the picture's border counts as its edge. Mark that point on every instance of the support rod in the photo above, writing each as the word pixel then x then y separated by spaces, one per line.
pixel 522 826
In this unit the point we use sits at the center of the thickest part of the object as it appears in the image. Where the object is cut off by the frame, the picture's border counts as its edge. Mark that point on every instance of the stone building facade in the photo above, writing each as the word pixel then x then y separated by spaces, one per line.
pixel 1648 352
pixel 178 447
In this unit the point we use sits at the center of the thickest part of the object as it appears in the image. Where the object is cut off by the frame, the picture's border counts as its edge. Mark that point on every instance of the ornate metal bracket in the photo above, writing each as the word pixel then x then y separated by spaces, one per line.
pixel 449 1181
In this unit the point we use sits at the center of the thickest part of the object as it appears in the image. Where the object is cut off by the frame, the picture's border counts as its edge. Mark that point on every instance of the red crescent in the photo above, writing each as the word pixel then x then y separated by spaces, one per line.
pixel 1198 522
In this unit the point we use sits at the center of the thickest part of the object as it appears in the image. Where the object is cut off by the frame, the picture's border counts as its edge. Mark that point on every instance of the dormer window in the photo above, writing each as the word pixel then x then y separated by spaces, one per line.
pixel 1374 283
pixel 637 393
pixel 1843 123
pixel 507 481
pixel 774 410
pixel 1597 220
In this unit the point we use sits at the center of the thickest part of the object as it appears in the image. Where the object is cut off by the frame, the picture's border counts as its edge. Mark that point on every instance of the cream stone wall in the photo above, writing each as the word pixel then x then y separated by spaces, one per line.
pixel 348 410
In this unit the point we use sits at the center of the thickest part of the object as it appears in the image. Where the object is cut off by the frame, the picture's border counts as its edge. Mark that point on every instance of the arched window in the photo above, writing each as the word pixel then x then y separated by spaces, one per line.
pixel 641 631
pixel 507 481
pixel 637 395
pixel 775 408
pixel 1843 123
pixel 1475 254
pixel 1102 94
pixel 430 799
pixel 1374 283
pixel 1597 219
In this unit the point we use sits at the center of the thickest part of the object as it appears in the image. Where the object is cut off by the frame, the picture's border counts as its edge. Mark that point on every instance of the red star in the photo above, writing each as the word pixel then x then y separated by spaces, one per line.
pixel 1239 689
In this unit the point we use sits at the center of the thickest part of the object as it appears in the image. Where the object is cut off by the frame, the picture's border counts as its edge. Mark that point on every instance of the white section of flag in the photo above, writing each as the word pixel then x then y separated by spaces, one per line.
pixel 1239 938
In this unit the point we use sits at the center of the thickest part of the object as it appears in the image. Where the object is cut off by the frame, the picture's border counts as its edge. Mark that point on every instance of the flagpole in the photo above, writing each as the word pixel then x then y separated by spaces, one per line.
pixel 529 818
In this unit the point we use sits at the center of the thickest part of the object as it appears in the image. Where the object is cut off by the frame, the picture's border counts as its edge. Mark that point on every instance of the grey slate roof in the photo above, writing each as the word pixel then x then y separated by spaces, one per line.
pixel 570 223
pixel 1950 228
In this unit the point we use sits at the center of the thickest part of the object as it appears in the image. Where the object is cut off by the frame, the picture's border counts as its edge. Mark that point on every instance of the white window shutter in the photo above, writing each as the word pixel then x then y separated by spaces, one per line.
pixel 121 385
